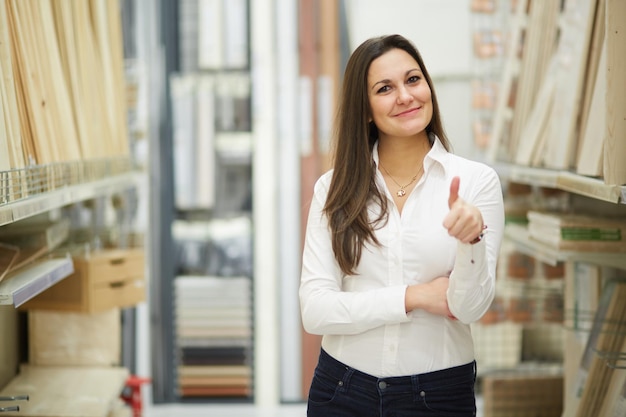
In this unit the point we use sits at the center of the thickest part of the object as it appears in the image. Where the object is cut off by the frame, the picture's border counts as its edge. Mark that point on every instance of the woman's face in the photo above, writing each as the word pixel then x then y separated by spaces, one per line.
pixel 399 95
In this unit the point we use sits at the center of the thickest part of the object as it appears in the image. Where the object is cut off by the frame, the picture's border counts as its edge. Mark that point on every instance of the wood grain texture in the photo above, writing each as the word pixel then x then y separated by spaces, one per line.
pixel 615 142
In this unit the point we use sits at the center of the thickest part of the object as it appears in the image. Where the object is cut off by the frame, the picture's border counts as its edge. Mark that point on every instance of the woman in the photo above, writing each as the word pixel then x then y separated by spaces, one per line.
pixel 397 260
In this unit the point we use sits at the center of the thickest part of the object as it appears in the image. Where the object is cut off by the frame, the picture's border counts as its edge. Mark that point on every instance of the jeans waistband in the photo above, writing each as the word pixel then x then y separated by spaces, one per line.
pixel 338 370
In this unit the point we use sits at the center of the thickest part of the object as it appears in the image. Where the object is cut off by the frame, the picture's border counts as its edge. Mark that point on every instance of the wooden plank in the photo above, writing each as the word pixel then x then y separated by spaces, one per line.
pixel 70 63
pixel 595 51
pixel 606 338
pixel 64 135
pixel 8 96
pixel 591 153
pixel 107 30
pixel 572 52
pixel 90 81
pixel 499 145
pixel 35 95
pixel 539 43
pixel 534 132
pixel 615 142
pixel 5 163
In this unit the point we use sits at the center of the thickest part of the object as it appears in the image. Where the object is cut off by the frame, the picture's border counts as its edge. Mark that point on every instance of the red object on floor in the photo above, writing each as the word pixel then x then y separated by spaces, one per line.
pixel 132 393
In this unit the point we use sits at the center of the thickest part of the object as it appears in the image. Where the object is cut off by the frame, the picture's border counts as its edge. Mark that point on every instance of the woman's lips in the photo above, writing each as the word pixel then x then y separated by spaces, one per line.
pixel 408 112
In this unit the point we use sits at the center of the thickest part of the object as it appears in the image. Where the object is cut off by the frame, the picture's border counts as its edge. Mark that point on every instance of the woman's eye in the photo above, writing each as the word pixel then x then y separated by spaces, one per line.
pixel 383 89
pixel 413 79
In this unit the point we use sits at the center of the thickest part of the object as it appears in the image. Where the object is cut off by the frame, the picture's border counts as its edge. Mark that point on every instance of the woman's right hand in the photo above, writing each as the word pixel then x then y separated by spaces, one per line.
pixel 430 297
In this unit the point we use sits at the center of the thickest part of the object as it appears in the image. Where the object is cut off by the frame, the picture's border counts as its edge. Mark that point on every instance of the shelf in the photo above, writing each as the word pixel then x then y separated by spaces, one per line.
pixel 67 390
pixel 41 203
pixel 550 255
pixel 566 181
pixel 25 283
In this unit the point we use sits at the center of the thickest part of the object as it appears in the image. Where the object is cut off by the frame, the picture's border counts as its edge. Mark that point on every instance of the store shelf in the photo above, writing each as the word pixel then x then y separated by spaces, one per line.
pixel 25 283
pixel 518 234
pixel 566 181
pixel 41 203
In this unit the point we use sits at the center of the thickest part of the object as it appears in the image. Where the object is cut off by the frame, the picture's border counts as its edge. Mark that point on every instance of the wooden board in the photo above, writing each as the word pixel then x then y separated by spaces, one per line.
pixel 534 133
pixel 615 142
pixel 66 391
pixel 107 39
pixel 499 144
pixel 576 28
pixel 606 338
pixel 9 105
pixel 591 149
pixel 596 49
pixel 539 46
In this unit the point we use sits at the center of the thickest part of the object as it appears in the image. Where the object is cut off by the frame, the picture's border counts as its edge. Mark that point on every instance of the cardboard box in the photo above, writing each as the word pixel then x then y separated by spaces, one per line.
pixel 74 339
pixel 111 278
pixel 523 393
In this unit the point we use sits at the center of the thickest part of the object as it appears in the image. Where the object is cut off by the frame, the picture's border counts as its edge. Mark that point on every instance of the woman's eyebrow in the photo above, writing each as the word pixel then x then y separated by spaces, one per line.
pixel 387 81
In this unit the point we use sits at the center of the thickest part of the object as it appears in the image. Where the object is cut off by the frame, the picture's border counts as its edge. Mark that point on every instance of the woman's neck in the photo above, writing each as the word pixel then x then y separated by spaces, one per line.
pixel 402 155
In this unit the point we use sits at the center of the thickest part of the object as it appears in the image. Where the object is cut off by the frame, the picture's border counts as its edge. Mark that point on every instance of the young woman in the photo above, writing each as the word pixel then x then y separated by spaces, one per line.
pixel 400 250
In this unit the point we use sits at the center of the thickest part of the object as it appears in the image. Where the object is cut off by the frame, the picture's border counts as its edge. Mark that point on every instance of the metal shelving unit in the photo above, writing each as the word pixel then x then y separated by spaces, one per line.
pixel 36 190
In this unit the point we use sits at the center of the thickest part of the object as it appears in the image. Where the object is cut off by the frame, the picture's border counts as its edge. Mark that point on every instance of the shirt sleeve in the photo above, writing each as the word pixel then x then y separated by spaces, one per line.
pixel 325 307
pixel 473 279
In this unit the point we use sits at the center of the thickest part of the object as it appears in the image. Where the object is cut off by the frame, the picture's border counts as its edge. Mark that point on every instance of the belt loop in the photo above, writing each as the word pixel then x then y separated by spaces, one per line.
pixel 415 382
pixel 345 380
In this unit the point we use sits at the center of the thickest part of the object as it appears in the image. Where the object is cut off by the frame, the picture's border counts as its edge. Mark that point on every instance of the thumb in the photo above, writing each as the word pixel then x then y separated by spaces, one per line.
pixel 454 191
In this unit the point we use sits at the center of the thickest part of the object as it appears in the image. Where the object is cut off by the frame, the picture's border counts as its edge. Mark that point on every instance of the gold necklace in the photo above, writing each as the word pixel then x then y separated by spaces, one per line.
pixel 402 192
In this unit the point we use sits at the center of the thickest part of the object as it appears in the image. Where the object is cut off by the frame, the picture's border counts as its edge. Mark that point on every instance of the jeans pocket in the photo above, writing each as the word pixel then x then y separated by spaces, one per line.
pixel 451 400
pixel 323 388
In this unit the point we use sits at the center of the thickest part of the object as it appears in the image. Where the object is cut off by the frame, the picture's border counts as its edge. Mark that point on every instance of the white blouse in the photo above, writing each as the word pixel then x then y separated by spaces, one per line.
pixel 362 317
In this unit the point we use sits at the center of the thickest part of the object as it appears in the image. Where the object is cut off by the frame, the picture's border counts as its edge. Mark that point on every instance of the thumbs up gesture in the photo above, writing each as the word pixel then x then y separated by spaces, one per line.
pixel 464 220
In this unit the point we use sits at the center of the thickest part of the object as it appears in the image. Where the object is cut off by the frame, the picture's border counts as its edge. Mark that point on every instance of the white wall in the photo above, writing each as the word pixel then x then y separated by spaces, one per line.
pixel 441 31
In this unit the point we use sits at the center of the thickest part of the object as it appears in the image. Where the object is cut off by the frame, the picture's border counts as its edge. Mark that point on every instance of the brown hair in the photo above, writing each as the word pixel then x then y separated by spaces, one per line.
pixel 353 185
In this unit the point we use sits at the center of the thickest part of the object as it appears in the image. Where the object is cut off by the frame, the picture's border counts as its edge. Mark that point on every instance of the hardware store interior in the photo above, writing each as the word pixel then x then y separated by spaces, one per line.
pixel 157 160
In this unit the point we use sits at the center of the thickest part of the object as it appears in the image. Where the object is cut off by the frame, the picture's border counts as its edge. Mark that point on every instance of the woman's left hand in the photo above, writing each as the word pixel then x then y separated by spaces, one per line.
pixel 464 221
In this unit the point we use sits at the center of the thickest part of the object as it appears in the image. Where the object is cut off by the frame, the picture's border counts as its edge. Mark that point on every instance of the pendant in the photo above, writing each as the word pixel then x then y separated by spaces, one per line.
pixel 401 193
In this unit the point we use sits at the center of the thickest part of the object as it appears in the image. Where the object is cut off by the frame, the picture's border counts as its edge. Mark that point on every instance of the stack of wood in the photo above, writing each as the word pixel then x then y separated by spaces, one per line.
pixel 601 381
pixel 62 89
pixel 566 86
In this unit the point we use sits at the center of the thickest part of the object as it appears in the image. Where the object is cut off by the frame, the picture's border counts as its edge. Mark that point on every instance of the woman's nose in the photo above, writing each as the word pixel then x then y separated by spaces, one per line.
pixel 404 96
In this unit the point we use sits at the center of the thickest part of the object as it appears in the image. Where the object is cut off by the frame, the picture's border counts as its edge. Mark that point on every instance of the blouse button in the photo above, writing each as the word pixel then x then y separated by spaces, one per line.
pixel 340 383
pixel 422 394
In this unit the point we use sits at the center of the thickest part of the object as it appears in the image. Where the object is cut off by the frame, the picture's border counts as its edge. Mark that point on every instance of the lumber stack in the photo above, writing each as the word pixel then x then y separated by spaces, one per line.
pixel 62 92
pixel 568 109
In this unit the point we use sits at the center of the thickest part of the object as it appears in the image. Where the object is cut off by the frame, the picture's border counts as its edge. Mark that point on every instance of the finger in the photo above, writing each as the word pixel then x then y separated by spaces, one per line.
pixel 454 191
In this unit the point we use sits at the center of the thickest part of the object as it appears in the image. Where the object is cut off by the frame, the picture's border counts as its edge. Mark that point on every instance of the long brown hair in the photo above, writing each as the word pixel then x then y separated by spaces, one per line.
pixel 353 184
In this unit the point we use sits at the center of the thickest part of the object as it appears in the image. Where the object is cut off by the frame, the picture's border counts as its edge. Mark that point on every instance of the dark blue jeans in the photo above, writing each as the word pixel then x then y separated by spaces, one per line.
pixel 338 390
